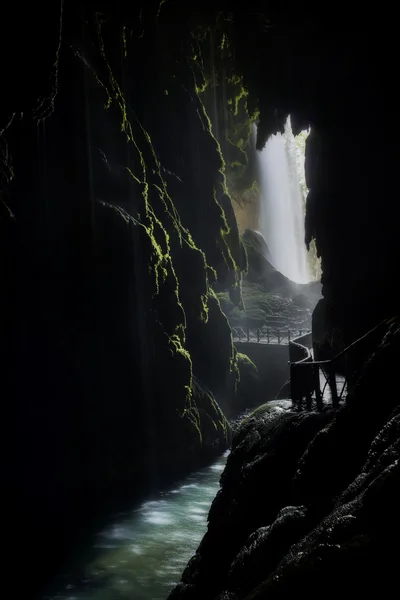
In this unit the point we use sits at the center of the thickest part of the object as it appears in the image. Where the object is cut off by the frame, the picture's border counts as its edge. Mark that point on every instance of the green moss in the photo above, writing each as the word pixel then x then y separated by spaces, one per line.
pixel 236 115
pixel 233 361
pixel 115 94
pixel 177 348
pixel 155 226
pixel 246 374
pixel 189 410
pixel 160 7
pixel 211 274
pixel 206 121
pixel 124 42
pixel 212 419
pixel 180 332
pixel 201 88
pixel 224 425
pixel 235 163
pixel 243 358
pixel 205 310
pixel 174 255
pixel 239 96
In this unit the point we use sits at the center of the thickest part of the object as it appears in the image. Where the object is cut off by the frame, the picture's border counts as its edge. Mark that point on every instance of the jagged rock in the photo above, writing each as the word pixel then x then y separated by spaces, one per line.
pixel 356 538
pixel 260 268
pixel 266 547
pixel 287 522
pixel 265 450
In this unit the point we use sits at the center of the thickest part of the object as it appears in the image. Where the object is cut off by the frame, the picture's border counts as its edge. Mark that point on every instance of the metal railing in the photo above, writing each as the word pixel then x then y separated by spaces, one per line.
pixel 305 380
pixel 266 335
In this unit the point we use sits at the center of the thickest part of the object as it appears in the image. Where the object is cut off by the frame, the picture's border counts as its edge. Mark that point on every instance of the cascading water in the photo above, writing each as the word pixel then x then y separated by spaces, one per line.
pixel 281 206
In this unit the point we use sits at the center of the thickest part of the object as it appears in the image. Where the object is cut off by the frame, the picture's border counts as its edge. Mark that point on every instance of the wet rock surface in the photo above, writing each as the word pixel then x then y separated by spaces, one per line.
pixel 308 502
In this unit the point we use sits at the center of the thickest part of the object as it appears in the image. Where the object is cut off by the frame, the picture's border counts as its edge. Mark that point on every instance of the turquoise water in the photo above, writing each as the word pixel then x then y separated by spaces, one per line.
pixel 141 554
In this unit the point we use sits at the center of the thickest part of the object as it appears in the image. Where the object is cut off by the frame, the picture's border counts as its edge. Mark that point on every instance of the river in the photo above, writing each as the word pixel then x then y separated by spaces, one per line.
pixel 140 555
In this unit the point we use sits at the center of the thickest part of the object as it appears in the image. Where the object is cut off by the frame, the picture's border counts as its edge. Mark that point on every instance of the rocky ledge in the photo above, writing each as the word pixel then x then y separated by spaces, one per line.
pixel 309 503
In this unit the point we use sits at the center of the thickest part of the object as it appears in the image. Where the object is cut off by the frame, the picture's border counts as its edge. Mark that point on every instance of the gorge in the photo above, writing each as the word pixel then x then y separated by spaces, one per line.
pixel 129 255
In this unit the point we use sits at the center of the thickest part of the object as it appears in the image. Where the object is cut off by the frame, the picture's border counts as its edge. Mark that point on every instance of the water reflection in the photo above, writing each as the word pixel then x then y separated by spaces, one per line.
pixel 141 555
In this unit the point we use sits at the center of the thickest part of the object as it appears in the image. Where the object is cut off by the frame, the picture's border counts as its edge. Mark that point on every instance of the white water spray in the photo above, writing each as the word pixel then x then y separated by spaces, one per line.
pixel 281 206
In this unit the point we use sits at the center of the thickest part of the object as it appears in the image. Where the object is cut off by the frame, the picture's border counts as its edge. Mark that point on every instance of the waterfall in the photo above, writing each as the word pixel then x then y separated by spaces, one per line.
pixel 281 206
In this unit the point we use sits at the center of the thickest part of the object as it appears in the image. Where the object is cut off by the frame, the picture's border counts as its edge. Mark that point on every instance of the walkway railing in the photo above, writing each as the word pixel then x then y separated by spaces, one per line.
pixel 305 375
pixel 266 335
pixel 305 382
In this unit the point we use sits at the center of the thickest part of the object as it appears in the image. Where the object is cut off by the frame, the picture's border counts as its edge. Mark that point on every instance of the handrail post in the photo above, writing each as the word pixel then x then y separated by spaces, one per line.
pixel 267 336
pixel 288 336
pixel 333 386
pixel 258 334
pixel 294 388
pixel 317 387
pixel 279 336
pixel 248 333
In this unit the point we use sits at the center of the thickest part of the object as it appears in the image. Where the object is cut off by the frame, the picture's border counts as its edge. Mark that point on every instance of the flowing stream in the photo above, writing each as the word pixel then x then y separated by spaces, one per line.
pixel 281 209
pixel 141 555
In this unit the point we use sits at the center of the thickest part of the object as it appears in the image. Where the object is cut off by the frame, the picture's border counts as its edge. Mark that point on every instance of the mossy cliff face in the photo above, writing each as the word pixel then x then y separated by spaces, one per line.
pixel 115 224
pixel 308 502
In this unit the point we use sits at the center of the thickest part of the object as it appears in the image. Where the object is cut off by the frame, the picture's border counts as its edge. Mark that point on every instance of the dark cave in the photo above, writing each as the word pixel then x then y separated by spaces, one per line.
pixel 125 133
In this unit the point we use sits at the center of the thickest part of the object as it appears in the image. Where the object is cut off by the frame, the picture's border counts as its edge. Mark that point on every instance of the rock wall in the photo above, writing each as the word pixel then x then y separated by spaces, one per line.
pixel 308 500
pixel 113 342
pixel 271 361
pixel 350 213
